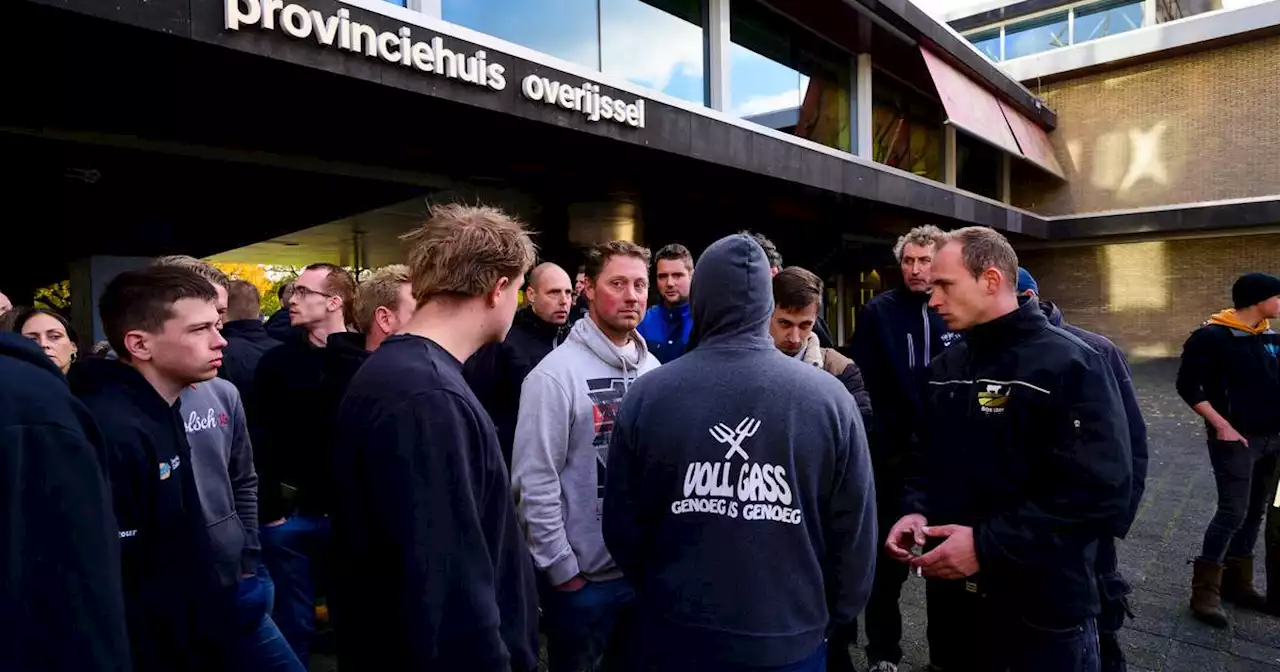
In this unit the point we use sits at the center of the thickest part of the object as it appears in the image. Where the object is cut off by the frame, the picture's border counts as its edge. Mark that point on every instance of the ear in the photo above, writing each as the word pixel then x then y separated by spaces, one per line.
pixel 590 290
pixel 993 279
pixel 499 288
pixel 138 344
pixel 529 293
pixel 382 319
pixel 334 304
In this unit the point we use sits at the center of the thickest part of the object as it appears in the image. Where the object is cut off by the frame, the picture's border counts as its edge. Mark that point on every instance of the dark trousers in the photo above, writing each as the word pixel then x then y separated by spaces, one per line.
pixel 580 626
pixel 882 616
pixel 967 632
pixel 656 659
pixel 294 552
pixel 1246 478
pixel 1113 591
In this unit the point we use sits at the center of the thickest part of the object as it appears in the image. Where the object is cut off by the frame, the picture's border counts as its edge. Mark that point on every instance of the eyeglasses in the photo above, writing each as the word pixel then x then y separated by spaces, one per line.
pixel 304 292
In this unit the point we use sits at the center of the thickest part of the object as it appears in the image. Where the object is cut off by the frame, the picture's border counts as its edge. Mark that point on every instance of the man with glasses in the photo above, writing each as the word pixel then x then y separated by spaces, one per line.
pixel 294 469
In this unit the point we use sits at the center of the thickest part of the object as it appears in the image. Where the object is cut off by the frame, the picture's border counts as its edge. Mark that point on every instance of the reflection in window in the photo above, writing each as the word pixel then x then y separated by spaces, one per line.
pixel 1107 18
pixel 655 43
pixel 977 166
pixel 906 128
pixel 1035 36
pixel 562 28
pixel 988 43
pixel 785 79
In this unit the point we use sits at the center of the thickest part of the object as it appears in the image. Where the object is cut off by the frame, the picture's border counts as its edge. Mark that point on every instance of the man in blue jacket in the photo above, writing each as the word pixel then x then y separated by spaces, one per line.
pixel 739 498
pixel 1113 589
pixel 666 326
pixel 1025 465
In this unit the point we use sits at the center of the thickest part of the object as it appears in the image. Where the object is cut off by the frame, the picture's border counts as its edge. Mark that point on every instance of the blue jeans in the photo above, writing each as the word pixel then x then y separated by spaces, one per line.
pixel 258 645
pixel 580 625
pixel 294 553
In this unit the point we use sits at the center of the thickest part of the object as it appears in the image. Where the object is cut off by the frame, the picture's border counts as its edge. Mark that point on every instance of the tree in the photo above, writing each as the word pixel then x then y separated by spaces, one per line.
pixel 55 297
pixel 256 275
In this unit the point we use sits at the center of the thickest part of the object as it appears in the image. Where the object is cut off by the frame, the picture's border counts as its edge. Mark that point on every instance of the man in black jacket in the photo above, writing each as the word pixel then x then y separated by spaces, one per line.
pixel 739 498
pixel 161 322
pixel 61 605
pixel 431 570
pixel 895 338
pixel 1113 588
pixel 497 370
pixel 1024 466
pixel 1230 376
pixel 246 335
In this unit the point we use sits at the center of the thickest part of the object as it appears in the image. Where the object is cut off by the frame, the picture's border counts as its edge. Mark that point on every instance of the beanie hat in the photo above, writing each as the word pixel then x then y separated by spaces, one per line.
pixel 1254 288
pixel 1025 282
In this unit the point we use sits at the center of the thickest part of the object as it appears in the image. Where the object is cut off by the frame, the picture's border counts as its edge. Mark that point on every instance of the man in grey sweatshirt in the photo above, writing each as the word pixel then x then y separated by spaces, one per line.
pixel 567 408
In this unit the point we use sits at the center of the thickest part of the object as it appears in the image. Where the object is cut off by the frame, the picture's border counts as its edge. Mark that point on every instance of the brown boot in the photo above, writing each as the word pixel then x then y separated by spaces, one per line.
pixel 1206 593
pixel 1237 584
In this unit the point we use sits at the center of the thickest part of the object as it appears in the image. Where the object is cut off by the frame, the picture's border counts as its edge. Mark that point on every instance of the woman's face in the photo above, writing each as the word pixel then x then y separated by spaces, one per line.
pixel 51 336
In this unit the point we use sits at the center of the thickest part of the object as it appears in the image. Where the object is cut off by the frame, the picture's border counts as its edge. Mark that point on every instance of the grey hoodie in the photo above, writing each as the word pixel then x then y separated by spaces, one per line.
pixel 567 407
pixel 222 462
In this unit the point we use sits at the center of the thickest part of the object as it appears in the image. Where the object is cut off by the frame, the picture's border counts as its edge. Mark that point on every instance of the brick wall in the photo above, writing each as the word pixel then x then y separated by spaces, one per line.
pixel 1197 127
pixel 1148 296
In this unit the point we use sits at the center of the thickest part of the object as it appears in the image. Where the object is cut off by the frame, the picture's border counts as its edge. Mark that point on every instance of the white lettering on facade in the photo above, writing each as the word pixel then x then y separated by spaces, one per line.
pixel 586 99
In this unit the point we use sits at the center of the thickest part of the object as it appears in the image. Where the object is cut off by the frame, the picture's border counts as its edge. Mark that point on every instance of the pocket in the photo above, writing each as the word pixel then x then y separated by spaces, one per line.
pixel 1052 628
pixel 1114 591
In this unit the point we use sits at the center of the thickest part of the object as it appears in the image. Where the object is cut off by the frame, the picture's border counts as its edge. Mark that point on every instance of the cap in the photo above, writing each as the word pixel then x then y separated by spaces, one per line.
pixel 1254 288
pixel 1025 282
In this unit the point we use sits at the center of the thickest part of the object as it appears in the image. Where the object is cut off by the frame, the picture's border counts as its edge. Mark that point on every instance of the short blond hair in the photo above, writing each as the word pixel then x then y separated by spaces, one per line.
pixel 924 236
pixel 202 268
pixel 381 290
pixel 463 250
pixel 982 248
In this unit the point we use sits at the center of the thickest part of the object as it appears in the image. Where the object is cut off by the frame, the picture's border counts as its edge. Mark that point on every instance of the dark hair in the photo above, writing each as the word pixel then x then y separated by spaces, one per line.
pixel 244 302
pixel 143 300
pixel 600 254
pixel 796 289
pixel 770 250
pixel 674 252
pixel 286 288
pixel 20 318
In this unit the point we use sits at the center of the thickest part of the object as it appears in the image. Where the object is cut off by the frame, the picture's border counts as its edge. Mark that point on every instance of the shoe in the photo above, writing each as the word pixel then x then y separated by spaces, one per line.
pixel 1237 584
pixel 883 666
pixel 1206 593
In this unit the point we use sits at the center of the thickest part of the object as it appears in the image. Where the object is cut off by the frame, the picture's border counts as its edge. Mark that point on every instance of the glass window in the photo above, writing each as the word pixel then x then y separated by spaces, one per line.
pixel 1107 18
pixel 565 29
pixel 786 79
pixel 655 43
pixel 1035 36
pixel 988 42
pixel 977 166
pixel 396 2
pixel 906 128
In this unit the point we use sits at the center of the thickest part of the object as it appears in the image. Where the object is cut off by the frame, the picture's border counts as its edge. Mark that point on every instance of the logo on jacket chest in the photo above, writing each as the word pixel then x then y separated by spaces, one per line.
pixel 198 423
pixel 993 397
pixel 167 467
pixel 949 338
pixel 606 396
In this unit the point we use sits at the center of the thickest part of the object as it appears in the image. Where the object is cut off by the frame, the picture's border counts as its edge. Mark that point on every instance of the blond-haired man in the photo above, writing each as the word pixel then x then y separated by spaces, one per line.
pixel 431 571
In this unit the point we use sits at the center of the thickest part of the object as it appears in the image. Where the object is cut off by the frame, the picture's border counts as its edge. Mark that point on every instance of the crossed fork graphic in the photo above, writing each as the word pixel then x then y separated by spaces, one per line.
pixel 734 437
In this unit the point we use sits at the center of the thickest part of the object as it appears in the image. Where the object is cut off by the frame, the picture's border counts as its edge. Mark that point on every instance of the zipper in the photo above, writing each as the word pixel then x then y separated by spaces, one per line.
pixel 911 353
pixel 924 314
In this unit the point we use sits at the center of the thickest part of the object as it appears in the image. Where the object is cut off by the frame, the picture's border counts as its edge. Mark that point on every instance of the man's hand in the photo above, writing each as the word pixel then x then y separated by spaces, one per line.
pixel 1226 432
pixel 572 585
pixel 906 533
pixel 956 558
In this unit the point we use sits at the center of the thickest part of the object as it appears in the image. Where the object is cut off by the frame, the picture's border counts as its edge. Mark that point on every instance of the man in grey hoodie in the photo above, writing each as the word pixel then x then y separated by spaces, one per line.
pixel 567 408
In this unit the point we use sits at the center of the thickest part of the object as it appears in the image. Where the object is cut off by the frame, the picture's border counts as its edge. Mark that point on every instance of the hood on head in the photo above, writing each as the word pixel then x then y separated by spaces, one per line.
pixel 20 347
pixel 586 332
pixel 732 295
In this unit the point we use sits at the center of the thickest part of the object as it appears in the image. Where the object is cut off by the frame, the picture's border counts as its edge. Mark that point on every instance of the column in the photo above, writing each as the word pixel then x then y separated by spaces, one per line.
pixel 88 278
pixel 429 7
pixel 718 54
pixel 1006 178
pixel 949 173
pixel 862 107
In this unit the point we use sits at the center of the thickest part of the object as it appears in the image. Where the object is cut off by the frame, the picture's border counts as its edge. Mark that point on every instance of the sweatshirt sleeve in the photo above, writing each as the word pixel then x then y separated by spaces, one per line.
pixel 851 533
pixel 428 502
pixel 1081 493
pixel 1194 369
pixel 244 485
pixel 537 460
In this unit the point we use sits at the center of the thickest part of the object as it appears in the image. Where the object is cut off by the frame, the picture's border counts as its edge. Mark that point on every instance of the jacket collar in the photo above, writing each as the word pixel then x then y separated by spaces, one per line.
pixel 116 378
pixel 253 330
pixel 1008 329
pixel 1051 313
pixel 528 320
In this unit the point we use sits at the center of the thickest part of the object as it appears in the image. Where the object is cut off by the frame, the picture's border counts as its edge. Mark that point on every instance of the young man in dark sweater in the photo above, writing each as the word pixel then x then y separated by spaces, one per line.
pixel 162 323
pixel 431 571
pixel 1230 376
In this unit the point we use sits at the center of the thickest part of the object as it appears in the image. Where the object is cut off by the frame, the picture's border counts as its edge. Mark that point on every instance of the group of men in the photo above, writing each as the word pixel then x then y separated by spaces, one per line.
pixel 701 485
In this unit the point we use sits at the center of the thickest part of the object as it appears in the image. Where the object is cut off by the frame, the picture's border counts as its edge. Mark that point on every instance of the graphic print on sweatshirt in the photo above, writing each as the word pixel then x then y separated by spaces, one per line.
pixel 606 397
pixel 196 423
pixel 737 486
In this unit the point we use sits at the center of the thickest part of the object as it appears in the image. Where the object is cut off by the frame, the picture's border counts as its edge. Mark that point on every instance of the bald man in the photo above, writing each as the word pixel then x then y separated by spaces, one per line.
pixel 496 371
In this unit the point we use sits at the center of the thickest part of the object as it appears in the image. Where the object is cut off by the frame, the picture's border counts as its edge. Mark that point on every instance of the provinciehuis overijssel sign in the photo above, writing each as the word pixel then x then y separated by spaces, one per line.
pixel 431 57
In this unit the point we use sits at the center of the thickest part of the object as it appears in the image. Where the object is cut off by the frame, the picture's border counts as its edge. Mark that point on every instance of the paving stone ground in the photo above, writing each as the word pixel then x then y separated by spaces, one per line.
pixel 1178 504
